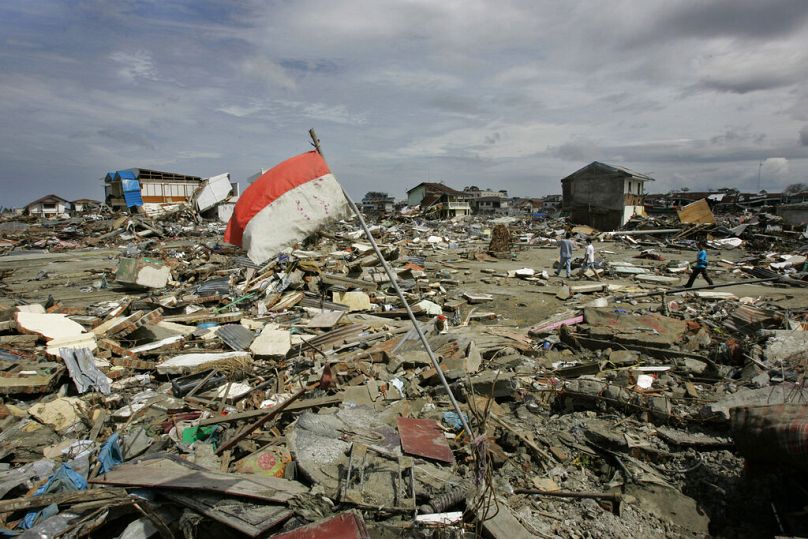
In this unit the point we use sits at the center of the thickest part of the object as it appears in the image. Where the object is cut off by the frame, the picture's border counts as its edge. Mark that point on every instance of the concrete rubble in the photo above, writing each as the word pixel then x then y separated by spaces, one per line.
pixel 159 383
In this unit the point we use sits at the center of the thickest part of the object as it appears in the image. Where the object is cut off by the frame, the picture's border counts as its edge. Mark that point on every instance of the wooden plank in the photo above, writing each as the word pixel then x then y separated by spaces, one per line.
pixel 164 473
pixel 61 498
pixel 347 282
pixel 698 212
pixel 251 414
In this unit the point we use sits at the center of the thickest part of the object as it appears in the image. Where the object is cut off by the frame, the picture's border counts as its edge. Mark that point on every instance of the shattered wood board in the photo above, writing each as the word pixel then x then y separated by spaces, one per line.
pixel 343 526
pixel 424 438
pixel 166 473
pixel 698 212
pixel 248 518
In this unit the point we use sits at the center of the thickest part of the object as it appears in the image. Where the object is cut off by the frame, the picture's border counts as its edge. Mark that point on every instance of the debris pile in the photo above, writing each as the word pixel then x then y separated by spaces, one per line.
pixel 158 382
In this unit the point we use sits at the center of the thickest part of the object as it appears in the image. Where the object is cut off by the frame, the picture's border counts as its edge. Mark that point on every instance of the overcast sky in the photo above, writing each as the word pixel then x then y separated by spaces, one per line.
pixel 508 94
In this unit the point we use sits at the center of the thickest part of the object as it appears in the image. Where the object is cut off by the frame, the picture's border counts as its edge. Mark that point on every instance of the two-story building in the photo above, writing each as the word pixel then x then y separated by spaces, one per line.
pixel 604 196
pixel 377 203
pixel 49 206
pixel 439 199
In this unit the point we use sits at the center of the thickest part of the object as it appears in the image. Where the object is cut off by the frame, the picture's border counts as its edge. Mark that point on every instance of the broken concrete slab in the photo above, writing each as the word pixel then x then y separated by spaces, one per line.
pixel 784 393
pixel 272 343
pixel 786 346
pixel 61 413
pixel 143 272
pixel 49 325
pixel 657 279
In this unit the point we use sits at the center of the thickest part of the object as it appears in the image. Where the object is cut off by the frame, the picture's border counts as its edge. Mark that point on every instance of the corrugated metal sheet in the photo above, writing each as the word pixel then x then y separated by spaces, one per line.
pixel 236 336
pixel 214 286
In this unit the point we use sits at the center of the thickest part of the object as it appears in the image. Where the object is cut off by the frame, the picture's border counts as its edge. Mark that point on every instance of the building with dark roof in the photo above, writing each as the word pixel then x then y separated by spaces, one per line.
pixel 438 198
pixel 49 206
pixel 603 196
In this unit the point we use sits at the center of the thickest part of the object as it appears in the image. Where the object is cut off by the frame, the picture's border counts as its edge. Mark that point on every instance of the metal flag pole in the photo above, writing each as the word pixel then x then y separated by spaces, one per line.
pixel 394 281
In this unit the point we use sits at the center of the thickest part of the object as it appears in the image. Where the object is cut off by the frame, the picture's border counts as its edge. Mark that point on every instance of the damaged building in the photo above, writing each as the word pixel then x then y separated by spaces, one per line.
pixel 604 196
pixel 441 199
pixel 135 186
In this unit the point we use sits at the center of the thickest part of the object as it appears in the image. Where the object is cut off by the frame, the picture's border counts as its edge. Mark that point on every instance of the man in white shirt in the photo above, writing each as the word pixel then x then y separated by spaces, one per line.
pixel 589 258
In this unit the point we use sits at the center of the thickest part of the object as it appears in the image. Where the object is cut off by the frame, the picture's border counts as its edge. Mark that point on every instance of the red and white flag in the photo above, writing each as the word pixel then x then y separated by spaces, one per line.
pixel 285 205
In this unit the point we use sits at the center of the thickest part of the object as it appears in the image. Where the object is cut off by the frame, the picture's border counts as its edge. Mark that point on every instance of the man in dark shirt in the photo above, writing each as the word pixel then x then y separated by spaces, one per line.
pixel 701 266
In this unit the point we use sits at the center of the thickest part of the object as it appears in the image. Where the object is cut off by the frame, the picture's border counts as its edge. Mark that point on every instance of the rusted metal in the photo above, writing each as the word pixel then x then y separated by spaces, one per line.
pixel 424 438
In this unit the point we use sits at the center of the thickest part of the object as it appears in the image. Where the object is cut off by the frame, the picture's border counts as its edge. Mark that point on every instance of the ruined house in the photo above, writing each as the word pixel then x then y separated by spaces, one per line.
pixel 603 196
pixel 135 186
pixel 442 200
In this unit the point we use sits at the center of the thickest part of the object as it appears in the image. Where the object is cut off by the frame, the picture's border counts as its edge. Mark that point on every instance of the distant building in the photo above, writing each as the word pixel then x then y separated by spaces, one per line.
pixel 603 196
pixel 440 199
pixel 489 204
pixel 136 186
pixel 85 205
pixel 551 203
pixel 49 206
pixel 472 192
pixel 377 203
pixel 528 205
pixel 794 214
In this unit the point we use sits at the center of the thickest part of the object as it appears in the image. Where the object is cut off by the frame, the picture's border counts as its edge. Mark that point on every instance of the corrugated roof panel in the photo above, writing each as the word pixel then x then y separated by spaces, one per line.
pixel 236 336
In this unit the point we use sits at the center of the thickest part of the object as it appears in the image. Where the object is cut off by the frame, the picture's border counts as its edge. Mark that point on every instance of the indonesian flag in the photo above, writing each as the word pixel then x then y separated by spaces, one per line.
pixel 285 205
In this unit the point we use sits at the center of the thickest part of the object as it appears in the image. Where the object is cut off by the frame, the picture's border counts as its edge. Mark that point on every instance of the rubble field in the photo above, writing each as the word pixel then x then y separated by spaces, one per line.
pixel 156 382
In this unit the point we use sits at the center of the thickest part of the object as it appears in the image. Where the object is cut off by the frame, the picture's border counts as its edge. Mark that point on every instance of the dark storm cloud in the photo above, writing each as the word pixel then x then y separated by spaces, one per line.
pixel 753 19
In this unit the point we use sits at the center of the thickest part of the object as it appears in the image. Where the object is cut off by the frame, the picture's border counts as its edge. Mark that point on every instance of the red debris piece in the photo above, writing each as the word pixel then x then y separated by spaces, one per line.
pixel 348 525
pixel 424 438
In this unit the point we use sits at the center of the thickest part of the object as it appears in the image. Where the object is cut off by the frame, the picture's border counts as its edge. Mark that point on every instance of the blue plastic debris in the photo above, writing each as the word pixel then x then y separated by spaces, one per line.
pixel 65 479
pixel 111 454
pixel 453 420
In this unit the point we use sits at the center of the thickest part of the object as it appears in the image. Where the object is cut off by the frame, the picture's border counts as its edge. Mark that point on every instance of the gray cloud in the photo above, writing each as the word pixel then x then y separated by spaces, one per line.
pixel 804 136
pixel 515 94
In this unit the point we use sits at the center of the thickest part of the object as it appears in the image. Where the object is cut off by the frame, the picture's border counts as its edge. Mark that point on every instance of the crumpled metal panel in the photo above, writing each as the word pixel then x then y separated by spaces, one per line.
pixel 81 366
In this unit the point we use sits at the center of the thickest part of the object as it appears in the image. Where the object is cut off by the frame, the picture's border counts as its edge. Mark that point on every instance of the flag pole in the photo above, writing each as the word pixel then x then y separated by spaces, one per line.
pixel 394 281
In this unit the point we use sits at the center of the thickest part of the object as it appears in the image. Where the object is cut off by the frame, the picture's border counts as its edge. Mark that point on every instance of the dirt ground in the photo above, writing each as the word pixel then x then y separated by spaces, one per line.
pixel 522 303
pixel 70 277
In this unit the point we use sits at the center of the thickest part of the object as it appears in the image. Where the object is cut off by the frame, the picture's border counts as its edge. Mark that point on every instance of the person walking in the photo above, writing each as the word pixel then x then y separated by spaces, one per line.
pixel 589 258
pixel 565 248
pixel 701 266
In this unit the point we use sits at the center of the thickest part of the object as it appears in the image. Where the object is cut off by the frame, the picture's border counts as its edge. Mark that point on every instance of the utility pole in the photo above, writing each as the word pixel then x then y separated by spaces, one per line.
pixel 760 166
